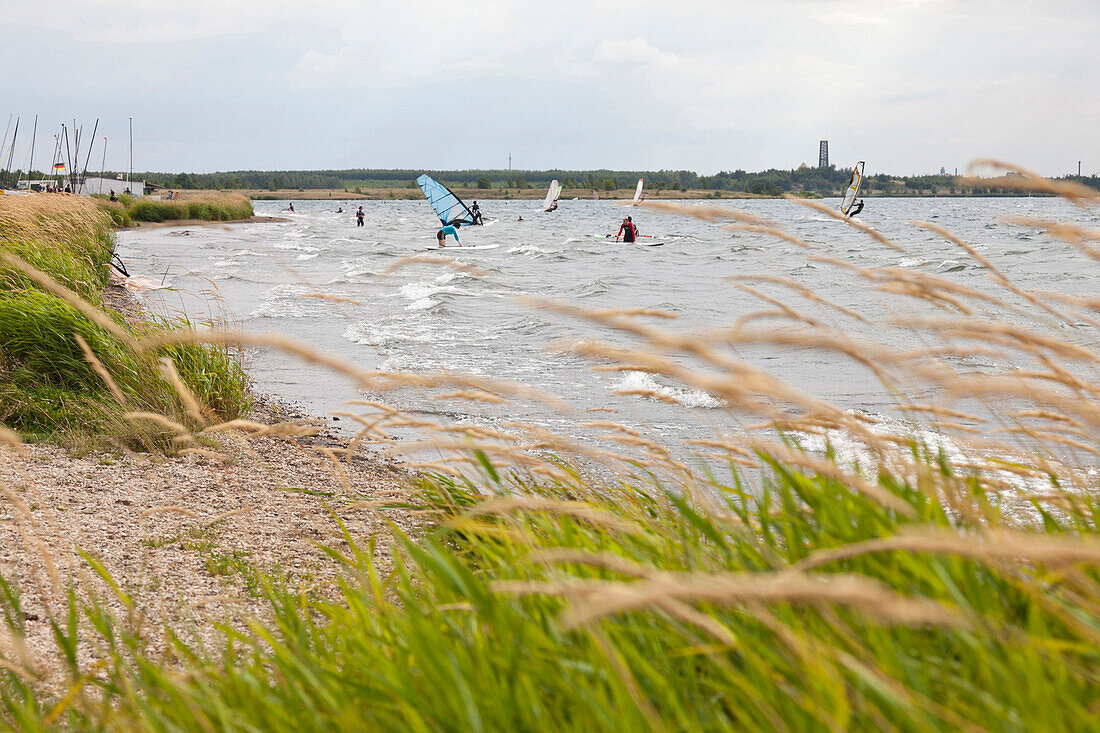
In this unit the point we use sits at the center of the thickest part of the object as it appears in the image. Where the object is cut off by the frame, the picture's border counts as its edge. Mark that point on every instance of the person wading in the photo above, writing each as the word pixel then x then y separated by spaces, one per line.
pixel 627 231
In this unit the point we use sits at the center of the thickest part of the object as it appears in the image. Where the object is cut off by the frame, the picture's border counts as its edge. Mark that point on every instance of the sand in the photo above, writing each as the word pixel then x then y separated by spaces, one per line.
pixel 187 537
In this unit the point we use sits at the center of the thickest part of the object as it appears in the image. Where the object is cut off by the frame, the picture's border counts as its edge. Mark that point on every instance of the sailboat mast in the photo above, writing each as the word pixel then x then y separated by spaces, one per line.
pixel 88 158
pixel 34 137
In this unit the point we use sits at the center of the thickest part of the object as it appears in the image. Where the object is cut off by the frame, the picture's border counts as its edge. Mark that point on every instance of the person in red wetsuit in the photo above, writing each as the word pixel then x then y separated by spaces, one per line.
pixel 627 231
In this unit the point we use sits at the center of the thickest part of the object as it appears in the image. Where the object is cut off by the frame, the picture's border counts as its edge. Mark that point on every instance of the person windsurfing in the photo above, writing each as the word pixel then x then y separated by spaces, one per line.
pixel 475 212
pixel 451 229
pixel 856 209
pixel 628 231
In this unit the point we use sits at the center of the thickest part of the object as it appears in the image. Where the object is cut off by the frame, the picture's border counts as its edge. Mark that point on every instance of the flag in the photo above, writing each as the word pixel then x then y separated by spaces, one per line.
pixel 59 167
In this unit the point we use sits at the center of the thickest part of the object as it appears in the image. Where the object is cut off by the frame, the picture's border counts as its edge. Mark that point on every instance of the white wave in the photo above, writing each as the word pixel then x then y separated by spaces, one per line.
pixel 418 291
pixel 294 246
pixel 910 262
pixel 302 257
pixel 643 382
pixel 422 304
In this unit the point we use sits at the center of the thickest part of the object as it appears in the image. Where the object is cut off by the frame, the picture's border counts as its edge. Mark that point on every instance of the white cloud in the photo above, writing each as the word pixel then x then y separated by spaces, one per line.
pixel 635 51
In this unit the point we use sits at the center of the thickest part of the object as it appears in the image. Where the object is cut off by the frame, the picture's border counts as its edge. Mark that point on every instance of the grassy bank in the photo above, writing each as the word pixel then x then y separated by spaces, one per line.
pixel 206 206
pixel 807 568
pixel 56 348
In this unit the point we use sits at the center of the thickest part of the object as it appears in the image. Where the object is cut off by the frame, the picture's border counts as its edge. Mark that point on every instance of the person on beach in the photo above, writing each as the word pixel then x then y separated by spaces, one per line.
pixel 359 217
pixel 627 231
pixel 451 229
pixel 113 196
pixel 856 209
pixel 475 210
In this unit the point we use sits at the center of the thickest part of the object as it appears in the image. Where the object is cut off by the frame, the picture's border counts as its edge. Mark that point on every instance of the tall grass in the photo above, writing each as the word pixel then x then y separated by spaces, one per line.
pixel 49 347
pixel 208 207
pixel 943 577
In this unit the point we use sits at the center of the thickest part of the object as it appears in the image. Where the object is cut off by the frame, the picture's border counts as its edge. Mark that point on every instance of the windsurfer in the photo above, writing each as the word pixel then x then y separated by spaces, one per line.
pixel 475 212
pixel 627 231
pixel 856 209
pixel 451 229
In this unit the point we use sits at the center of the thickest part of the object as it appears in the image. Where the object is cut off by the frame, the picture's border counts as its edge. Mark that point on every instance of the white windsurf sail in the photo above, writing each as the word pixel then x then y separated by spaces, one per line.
pixel 852 193
pixel 638 191
pixel 552 195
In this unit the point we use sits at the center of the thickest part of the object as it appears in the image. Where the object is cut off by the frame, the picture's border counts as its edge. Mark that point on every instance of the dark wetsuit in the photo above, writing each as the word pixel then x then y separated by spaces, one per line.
pixel 475 212
pixel 628 231
pixel 359 217
pixel 856 209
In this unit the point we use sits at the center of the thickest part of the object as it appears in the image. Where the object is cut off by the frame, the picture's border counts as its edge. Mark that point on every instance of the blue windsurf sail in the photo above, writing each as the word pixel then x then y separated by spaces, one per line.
pixel 448 207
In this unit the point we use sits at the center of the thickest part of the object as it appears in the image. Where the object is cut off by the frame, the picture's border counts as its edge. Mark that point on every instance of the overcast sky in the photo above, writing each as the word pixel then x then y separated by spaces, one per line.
pixel 707 85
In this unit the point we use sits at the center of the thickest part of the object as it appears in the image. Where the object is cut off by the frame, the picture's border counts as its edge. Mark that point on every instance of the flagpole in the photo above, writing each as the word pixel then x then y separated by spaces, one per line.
pixel 131 182
pixel 102 164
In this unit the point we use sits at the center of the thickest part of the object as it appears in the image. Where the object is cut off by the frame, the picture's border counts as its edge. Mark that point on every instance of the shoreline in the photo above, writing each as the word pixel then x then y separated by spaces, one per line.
pixel 533 194
pixel 202 222
pixel 190 537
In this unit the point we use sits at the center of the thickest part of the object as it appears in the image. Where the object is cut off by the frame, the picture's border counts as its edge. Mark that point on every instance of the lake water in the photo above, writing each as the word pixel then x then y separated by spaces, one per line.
pixel 428 317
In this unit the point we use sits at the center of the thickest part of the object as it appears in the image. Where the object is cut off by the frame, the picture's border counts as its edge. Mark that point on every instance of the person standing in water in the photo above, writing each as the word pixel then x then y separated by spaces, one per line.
pixel 359 217
pixel 627 231
pixel 475 211
pixel 451 229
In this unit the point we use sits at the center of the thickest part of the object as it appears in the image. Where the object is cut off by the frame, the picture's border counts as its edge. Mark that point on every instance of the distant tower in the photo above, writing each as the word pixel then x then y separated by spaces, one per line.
pixel 823 155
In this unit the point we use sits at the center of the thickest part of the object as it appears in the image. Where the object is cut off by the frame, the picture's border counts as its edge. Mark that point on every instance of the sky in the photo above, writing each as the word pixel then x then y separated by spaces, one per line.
pixel 705 85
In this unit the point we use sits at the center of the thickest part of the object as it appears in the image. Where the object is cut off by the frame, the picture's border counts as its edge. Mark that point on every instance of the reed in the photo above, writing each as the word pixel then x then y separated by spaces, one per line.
pixel 71 368
pixel 208 207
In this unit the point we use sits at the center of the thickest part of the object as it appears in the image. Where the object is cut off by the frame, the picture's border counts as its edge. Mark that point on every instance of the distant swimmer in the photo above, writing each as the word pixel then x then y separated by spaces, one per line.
pixel 475 211
pixel 290 208
pixel 451 229
pixel 520 219
pixel 339 209
pixel 856 209
pixel 627 231
pixel 359 217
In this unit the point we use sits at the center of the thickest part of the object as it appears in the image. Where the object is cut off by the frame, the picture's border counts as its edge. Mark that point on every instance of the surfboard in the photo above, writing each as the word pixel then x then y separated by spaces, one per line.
pixel 644 240
pixel 466 248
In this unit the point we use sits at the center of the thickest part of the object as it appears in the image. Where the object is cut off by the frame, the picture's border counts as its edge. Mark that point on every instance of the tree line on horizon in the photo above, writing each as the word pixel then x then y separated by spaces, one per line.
pixel 824 181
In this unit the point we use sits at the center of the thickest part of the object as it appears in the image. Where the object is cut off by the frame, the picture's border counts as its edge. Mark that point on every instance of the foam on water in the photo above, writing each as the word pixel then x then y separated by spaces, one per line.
pixel 643 382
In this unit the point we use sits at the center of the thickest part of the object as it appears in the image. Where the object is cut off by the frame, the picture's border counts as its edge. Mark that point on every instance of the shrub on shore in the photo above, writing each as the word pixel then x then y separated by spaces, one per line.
pixel 209 207
pixel 53 356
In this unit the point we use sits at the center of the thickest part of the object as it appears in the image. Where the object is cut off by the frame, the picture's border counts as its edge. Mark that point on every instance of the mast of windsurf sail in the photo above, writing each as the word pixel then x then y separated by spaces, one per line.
pixel 852 192
pixel 638 191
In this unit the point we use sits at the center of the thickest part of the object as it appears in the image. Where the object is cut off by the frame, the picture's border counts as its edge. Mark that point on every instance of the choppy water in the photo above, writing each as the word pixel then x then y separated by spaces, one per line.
pixel 428 317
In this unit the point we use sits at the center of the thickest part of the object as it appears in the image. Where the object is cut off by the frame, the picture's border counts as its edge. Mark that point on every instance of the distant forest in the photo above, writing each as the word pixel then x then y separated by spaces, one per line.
pixel 826 181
